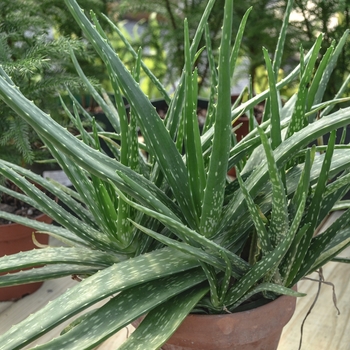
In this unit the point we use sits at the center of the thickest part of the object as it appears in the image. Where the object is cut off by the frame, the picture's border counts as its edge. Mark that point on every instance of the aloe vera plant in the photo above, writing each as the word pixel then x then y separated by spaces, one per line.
pixel 168 233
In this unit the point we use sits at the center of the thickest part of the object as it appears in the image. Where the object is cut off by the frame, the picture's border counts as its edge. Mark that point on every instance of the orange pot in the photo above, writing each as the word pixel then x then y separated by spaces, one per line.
pixel 256 329
pixel 15 238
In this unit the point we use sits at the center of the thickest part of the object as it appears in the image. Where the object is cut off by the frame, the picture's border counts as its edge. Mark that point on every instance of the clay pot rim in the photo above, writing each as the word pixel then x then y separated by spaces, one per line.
pixel 37 218
pixel 278 300
pixel 10 232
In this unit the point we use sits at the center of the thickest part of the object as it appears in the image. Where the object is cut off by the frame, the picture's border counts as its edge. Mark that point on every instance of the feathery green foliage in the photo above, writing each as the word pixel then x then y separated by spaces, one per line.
pixel 40 66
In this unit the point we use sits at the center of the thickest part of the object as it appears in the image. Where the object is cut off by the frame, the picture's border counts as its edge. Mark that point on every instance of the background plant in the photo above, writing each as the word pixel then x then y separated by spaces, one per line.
pixel 315 17
pixel 167 234
pixel 40 65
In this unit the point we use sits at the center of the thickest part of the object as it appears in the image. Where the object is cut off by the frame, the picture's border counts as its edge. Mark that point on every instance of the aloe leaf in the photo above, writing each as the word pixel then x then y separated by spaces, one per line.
pixel 152 127
pixel 276 138
pixel 111 113
pixel 210 117
pixel 80 108
pixel 81 183
pixel 74 119
pixel 289 259
pixel 57 255
pixel 330 66
pixel 314 207
pixel 266 264
pixel 56 212
pixel 298 119
pixel 172 117
pixel 327 104
pixel 279 215
pixel 226 280
pixel 216 177
pixel 341 260
pixel 160 323
pixel 236 230
pixel 264 238
pixel 271 287
pixel 213 284
pixel 193 148
pixel 315 84
pixel 82 154
pixel 340 92
pixel 283 154
pixel 263 95
pixel 185 232
pixel 198 253
pixel 121 310
pixel 324 246
pixel 337 184
pixel 282 38
pixel 149 73
pixel 45 273
pixel 60 233
pixel 151 200
pixel 340 242
pixel 118 277
pixel 238 41
pixel 304 182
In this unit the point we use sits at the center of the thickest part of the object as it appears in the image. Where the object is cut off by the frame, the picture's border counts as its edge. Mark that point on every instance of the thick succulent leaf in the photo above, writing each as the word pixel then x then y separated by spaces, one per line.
pixel 102 284
pixel 298 119
pixel 264 238
pixel 236 230
pixel 210 117
pixel 152 127
pixel 60 233
pixel 315 84
pixel 216 176
pixel 282 38
pixel 186 234
pixel 238 41
pixel 161 322
pixel 283 153
pixel 63 141
pixel 198 253
pixel 45 273
pixel 328 70
pixel 270 287
pixel 314 207
pixel 57 255
pixel 269 262
pixel 122 310
pixel 57 212
pixel 338 243
pixel 109 110
pixel 193 147
pixel 324 246
pixel 149 73
pixel 279 215
pixel 341 260
pixel 276 137
pixel 68 197
pixel 246 106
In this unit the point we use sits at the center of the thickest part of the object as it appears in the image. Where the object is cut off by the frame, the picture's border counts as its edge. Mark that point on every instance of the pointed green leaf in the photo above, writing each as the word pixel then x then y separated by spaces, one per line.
pixel 121 310
pixel 161 322
pixel 118 277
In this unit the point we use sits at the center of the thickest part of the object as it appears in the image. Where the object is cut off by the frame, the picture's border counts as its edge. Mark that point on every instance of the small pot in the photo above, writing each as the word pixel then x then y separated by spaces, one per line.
pixel 15 238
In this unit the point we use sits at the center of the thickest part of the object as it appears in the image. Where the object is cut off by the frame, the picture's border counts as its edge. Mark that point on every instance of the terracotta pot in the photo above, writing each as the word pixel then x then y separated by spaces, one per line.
pixel 256 329
pixel 13 239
